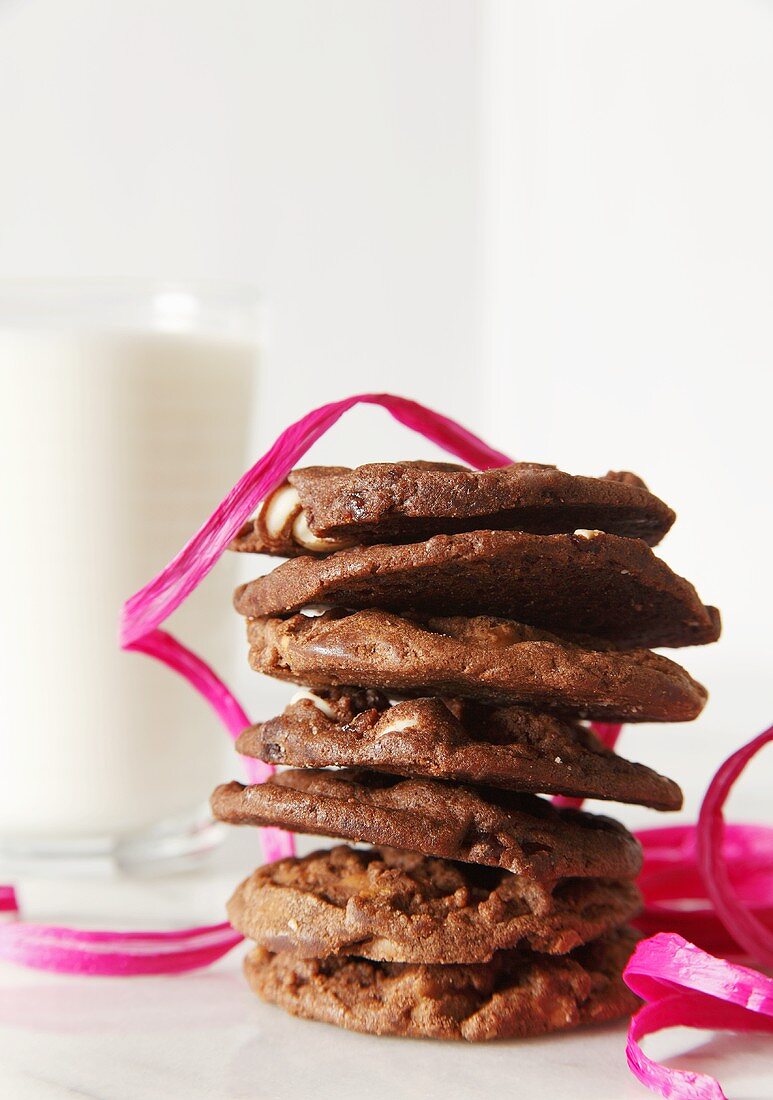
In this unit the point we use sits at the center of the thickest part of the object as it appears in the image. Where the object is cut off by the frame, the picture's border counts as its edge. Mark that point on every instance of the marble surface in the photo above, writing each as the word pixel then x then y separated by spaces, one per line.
pixel 203 1035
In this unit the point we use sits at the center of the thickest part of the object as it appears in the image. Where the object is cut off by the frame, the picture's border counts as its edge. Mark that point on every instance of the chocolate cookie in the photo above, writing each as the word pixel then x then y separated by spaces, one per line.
pixel 520 832
pixel 398 906
pixel 492 660
pixel 322 508
pixel 514 995
pixel 585 583
pixel 506 747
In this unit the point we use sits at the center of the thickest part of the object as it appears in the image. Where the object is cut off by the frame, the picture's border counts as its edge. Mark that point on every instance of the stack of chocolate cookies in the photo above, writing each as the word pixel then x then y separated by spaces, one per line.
pixel 451 630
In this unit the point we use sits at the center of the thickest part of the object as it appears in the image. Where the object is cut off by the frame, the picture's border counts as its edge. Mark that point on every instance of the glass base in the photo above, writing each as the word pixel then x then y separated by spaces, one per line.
pixel 176 844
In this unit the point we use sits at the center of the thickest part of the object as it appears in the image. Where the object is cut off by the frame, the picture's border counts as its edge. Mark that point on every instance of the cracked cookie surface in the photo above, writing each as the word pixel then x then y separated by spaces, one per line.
pixel 397 906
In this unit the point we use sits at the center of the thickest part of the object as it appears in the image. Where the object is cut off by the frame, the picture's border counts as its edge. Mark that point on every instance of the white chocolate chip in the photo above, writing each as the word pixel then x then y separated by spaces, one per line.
pixel 397 726
pixel 284 505
pixel 559 760
pixel 582 533
pixel 278 509
pixel 320 704
pixel 306 538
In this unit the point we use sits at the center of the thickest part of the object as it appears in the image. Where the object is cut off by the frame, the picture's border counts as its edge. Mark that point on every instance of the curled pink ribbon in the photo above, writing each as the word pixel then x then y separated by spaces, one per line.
pixel 729 869
pixel 675 892
pixel 686 987
pixel 683 984
pixel 747 926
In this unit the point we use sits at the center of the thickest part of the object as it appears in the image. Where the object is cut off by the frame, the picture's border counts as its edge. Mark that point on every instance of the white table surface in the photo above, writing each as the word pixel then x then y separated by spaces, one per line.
pixel 204 1035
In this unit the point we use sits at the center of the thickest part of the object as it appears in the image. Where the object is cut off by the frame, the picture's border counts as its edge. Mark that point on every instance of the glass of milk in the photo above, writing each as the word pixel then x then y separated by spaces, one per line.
pixel 124 419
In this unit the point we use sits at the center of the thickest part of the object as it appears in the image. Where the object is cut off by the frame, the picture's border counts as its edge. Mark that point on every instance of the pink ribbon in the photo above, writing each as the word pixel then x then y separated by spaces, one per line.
pixel 682 983
pixel 729 869
pixel 686 987
pixel 674 887
pixel 747 926
pixel 154 603
pixel 164 647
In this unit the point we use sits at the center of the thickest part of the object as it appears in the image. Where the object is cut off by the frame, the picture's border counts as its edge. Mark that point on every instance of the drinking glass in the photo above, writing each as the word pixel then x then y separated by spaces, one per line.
pixel 124 419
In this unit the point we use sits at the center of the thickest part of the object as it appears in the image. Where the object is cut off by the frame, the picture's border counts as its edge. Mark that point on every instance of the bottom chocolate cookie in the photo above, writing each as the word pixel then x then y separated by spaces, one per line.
pixel 516 994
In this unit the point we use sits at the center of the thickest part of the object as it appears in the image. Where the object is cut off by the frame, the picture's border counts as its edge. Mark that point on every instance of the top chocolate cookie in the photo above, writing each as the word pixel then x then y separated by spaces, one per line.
pixel 325 508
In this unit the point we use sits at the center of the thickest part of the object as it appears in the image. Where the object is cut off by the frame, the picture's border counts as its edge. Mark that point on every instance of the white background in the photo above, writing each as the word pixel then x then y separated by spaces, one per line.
pixel 550 219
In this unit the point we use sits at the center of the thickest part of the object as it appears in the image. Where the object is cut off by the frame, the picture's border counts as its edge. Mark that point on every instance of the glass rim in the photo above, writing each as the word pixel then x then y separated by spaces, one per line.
pixel 139 285
pixel 130 301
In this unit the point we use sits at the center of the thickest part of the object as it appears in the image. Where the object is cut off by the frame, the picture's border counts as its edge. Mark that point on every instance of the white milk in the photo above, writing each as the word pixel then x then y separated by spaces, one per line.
pixel 114 447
